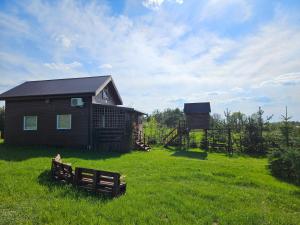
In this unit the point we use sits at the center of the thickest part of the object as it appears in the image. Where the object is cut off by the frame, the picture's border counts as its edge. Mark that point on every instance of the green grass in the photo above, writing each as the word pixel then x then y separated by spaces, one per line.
pixel 164 187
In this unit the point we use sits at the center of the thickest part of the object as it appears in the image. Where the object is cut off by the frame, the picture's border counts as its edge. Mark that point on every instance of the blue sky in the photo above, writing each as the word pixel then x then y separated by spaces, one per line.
pixel 237 54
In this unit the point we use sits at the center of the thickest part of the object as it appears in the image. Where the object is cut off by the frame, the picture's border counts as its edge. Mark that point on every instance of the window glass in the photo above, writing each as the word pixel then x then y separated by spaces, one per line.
pixel 105 94
pixel 30 122
pixel 63 121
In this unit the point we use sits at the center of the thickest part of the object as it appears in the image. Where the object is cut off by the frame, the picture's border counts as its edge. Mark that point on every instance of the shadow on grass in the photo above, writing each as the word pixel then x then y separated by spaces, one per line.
pixel 20 153
pixel 180 152
pixel 191 154
pixel 68 190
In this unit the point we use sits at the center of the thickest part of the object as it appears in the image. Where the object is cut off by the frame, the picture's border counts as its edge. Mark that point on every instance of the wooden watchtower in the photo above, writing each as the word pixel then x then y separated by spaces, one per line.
pixel 197 116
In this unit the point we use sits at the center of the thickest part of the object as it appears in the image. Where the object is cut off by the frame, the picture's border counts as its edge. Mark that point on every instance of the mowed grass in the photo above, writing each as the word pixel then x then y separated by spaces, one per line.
pixel 164 187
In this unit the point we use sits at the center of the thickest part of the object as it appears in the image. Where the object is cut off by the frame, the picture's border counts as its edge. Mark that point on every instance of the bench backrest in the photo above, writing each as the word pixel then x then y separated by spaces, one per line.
pixel 98 180
pixel 62 171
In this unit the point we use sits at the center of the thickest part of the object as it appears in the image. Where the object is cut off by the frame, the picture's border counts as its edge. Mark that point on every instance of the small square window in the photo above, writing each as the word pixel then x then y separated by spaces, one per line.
pixel 63 122
pixel 30 123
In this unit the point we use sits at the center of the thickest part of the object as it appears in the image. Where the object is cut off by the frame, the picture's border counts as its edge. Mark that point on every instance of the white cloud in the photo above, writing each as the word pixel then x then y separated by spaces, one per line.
pixel 283 79
pixel 156 4
pixel 13 24
pixel 63 66
pixel 105 66
pixel 64 41
pixel 152 4
pixel 238 10
pixel 179 1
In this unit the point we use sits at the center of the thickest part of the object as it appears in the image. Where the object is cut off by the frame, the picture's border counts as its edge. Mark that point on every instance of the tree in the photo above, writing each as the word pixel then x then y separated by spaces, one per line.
pixel 237 121
pixel 216 121
pixel 150 130
pixel 286 127
pixel 168 117
pixel 254 141
pixel 227 115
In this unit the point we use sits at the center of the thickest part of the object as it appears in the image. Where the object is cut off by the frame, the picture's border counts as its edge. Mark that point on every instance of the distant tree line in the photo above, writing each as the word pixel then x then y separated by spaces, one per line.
pixel 254 135
pixel 168 118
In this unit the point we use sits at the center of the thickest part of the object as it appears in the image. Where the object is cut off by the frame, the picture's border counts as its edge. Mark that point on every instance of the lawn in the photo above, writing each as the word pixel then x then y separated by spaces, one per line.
pixel 164 187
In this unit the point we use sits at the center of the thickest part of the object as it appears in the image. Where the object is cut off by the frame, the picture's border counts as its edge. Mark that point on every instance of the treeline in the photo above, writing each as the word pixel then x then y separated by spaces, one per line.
pixel 254 135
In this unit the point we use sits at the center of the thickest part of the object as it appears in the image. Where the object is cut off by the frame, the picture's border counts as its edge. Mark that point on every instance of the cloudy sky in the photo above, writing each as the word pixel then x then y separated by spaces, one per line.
pixel 237 54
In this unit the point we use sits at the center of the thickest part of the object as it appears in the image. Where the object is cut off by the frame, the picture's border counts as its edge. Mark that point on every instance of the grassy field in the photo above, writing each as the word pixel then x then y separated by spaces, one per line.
pixel 164 187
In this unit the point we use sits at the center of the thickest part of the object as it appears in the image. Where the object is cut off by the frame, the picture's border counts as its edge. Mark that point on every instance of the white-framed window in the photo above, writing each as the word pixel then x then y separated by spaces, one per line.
pixel 30 123
pixel 63 122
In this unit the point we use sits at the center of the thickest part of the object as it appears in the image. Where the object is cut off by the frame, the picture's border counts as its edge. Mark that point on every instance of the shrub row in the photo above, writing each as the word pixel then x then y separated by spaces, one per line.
pixel 285 164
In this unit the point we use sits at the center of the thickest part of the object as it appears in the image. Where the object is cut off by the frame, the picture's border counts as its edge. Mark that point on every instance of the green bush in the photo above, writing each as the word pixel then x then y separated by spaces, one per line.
pixel 285 164
pixel 154 131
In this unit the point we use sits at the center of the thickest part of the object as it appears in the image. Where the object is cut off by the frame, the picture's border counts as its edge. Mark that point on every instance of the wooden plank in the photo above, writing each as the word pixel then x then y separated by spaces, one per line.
pixel 99 181
pixel 107 179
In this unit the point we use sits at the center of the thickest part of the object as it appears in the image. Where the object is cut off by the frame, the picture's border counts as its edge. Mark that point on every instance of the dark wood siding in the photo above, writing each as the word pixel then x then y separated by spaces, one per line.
pixel 198 120
pixel 46 111
pixel 112 128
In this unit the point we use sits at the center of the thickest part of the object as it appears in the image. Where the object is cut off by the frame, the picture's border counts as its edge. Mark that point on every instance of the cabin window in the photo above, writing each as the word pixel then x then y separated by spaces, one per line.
pixel 105 95
pixel 30 123
pixel 63 122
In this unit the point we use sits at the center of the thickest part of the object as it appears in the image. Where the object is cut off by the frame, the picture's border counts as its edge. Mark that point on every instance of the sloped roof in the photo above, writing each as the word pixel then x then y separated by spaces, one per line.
pixel 83 85
pixel 200 107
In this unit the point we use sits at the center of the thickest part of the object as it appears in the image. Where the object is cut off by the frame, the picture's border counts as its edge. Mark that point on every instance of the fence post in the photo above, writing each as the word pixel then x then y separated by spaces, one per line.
pixel 213 138
pixel 180 134
pixel 229 141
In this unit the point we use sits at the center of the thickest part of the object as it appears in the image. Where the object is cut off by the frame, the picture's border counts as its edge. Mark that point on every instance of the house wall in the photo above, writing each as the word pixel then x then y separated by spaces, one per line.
pixel 113 128
pixel 46 111
pixel 198 120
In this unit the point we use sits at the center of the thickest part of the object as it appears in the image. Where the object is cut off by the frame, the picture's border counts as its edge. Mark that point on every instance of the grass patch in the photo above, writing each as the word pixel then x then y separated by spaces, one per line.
pixel 165 186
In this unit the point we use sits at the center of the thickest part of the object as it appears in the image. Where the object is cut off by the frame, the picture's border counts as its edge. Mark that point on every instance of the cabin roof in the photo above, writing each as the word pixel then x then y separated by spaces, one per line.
pixel 123 107
pixel 199 107
pixel 70 86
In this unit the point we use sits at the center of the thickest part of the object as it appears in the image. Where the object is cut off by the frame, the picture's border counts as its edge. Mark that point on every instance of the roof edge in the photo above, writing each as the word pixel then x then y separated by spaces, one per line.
pixel 46 96
pixel 71 78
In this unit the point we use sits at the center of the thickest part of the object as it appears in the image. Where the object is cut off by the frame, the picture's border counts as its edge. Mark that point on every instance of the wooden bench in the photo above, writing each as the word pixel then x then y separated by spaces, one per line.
pixel 92 180
pixel 99 181
pixel 61 171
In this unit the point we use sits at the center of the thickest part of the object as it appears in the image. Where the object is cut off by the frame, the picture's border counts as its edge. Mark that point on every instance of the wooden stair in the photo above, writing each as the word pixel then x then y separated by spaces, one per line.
pixel 170 138
pixel 174 137
pixel 140 142
pixel 142 146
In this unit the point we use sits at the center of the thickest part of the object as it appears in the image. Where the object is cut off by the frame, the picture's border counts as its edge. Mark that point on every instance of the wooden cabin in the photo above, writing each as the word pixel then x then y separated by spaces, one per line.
pixel 197 115
pixel 82 112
